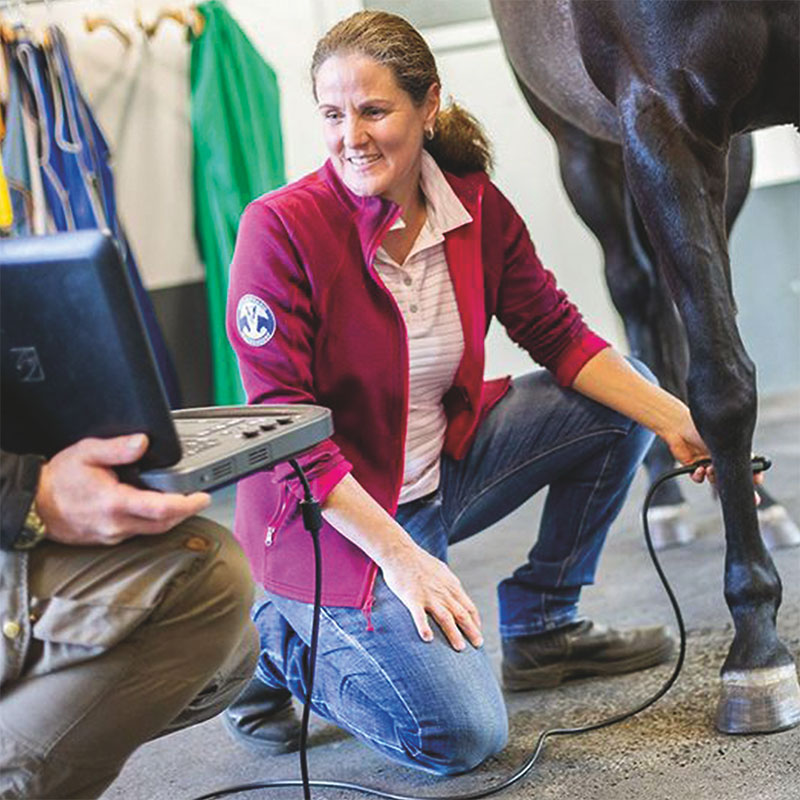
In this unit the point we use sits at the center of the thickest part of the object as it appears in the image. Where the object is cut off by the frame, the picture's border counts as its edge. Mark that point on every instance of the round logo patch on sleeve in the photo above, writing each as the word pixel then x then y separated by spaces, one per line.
pixel 255 320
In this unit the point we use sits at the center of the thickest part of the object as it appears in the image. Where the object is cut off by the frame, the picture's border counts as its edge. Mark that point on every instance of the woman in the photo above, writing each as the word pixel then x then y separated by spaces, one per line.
pixel 367 287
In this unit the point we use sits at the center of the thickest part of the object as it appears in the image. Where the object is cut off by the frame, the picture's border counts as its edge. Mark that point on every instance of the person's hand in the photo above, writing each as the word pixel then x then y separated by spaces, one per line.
pixel 82 501
pixel 425 585
pixel 687 446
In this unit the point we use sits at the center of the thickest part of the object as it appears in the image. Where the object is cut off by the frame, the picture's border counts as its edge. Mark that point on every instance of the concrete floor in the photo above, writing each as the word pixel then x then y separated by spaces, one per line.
pixel 669 752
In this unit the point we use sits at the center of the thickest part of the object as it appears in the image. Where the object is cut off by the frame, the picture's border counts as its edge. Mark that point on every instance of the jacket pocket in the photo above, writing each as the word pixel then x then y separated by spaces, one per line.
pixel 282 508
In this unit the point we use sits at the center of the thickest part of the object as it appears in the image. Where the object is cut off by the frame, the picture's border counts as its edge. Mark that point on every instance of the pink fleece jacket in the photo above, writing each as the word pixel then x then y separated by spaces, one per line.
pixel 326 331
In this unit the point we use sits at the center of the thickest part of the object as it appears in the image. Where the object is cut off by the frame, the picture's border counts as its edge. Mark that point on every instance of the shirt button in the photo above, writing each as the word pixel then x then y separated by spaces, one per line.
pixel 407 281
pixel 11 629
pixel 412 308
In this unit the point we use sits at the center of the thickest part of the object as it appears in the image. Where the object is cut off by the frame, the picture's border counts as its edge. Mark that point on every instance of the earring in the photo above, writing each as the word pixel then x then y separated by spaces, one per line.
pixel 429 133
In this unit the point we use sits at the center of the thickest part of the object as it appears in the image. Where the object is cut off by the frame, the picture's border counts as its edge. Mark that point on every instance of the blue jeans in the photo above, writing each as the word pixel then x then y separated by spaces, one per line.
pixel 423 703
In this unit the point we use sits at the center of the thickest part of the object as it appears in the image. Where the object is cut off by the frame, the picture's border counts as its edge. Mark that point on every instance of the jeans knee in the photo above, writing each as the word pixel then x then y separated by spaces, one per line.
pixel 464 741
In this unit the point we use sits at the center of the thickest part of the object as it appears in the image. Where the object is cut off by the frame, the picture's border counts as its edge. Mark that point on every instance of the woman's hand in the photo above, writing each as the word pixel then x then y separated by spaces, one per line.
pixel 686 444
pixel 425 585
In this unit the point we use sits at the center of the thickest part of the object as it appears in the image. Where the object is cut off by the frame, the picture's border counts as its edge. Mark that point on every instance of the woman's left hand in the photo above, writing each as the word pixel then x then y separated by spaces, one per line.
pixel 686 444
pixel 611 380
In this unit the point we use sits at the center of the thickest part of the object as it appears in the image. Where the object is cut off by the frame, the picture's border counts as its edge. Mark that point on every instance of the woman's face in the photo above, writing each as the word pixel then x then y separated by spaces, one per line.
pixel 373 130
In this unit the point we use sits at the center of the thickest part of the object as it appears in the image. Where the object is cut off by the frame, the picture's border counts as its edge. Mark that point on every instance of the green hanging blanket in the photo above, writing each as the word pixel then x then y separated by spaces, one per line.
pixel 238 155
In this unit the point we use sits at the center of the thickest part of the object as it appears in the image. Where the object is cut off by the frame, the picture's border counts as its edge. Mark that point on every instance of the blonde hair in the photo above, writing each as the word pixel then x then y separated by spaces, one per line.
pixel 459 143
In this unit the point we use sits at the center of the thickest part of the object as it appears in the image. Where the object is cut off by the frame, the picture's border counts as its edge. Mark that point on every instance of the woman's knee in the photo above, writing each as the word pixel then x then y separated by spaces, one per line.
pixel 462 738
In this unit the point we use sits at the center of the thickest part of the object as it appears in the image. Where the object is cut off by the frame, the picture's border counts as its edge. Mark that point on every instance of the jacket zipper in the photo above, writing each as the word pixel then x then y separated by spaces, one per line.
pixel 370 258
pixel 277 518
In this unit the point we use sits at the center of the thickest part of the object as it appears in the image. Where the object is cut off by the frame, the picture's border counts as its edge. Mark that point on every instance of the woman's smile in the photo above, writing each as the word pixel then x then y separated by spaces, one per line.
pixel 373 130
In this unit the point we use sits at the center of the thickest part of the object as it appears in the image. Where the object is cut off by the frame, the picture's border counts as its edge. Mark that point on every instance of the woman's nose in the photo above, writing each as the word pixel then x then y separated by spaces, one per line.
pixel 354 134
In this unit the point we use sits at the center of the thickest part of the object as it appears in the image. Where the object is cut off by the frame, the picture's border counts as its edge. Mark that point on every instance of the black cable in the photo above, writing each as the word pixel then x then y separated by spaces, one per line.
pixel 312 519
pixel 759 464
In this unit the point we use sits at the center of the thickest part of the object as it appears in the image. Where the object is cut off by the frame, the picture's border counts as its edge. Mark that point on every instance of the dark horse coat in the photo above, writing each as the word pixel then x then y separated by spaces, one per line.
pixel 672 83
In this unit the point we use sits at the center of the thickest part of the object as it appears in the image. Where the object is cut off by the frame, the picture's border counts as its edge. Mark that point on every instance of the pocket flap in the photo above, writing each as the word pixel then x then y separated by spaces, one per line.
pixel 90 625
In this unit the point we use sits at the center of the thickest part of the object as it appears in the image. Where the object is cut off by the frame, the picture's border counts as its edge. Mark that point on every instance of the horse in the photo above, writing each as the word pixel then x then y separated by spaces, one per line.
pixel 665 93
pixel 594 178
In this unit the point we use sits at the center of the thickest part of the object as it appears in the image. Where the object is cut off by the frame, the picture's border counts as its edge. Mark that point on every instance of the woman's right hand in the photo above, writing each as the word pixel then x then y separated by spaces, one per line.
pixel 425 585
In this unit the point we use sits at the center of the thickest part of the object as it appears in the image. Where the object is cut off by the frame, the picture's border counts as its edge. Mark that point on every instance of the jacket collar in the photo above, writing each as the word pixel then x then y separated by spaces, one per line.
pixel 373 216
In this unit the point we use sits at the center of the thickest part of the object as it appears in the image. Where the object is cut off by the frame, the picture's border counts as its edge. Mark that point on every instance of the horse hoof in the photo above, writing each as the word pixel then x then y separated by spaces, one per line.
pixel 669 526
pixel 778 529
pixel 759 700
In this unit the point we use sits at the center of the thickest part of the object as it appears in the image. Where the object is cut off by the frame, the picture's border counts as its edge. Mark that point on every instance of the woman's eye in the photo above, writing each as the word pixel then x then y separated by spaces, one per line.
pixel 333 115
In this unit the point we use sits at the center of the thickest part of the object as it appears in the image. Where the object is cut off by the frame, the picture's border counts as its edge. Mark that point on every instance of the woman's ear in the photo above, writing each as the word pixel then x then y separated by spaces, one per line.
pixel 432 104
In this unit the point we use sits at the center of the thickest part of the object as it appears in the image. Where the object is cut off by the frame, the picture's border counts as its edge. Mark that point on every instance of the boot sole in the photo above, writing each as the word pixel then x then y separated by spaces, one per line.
pixel 520 680
pixel 264 746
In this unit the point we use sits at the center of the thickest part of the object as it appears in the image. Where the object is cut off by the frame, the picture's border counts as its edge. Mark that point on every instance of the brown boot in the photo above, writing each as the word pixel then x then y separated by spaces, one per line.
pixel 548 659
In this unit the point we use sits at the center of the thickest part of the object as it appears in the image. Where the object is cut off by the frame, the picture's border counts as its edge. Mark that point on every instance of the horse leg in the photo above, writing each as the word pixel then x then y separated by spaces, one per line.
pixel 678 181
pixel 594 179
pixel 778 529
pixel 669 514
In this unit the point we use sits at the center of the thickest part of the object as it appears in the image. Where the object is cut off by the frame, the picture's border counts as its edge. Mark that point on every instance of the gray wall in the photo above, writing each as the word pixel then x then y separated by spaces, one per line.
pixel 765 260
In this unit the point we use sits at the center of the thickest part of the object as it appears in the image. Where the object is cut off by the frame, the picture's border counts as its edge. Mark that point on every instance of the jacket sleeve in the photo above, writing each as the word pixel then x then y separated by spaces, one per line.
pixel 19 479
pixel 536 313
pixel 266 266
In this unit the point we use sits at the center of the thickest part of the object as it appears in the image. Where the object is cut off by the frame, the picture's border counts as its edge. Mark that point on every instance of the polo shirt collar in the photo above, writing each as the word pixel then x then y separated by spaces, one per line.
pixel 445 211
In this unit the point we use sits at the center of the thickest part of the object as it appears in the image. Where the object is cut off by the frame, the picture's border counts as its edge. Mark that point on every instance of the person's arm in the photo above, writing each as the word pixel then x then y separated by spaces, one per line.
pixel 423 583
pixel 609 379
pixel 82 502
pixel 266 268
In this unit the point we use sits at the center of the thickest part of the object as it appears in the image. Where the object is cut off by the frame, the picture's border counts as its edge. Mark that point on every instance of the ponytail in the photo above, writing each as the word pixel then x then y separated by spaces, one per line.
pixel 459 144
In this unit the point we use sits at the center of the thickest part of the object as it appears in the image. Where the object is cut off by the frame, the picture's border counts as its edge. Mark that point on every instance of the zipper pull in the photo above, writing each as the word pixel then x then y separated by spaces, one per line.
pixel 270 536
pixel 367 611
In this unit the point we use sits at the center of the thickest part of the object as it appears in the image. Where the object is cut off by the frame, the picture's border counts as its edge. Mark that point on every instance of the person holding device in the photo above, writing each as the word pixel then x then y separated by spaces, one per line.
pixel 125 617
pixel 367 287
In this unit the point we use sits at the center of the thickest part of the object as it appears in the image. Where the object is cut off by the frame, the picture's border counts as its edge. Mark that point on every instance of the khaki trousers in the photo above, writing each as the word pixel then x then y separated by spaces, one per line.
pixel 104 648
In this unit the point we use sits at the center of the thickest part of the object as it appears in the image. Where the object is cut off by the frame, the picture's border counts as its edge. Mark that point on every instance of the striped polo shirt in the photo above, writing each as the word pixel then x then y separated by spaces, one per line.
pixel 422 288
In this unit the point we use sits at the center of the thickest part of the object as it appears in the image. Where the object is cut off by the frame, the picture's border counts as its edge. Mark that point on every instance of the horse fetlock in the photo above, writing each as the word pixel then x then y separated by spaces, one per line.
pixel 753 591
pixel 756 646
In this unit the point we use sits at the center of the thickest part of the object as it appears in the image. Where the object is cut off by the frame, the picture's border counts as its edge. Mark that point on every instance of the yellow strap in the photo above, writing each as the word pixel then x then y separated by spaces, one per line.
pixel 6 214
